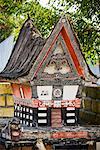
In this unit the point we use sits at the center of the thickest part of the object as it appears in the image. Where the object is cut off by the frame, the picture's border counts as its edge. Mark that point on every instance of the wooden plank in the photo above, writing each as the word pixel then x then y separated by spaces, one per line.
pixel 78 134
pixel 26 148
pixel 48 147
pixel 2 147
pixel 16 91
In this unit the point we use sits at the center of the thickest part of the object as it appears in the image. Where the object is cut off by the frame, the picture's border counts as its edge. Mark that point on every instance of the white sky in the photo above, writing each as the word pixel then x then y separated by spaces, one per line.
pixel 44 2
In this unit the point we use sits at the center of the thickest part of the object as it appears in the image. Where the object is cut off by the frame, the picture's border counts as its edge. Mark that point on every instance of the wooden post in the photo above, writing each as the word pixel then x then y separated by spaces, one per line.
pixel 97 145
pixel 40 144
pixel 48 147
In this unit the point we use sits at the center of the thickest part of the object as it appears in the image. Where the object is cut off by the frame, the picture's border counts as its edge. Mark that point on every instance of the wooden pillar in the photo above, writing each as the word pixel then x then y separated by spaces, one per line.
pixel 2 147
pixel 40 144
pixel 27 148
pixel 97 145
pixel 48 147
pixel 91 145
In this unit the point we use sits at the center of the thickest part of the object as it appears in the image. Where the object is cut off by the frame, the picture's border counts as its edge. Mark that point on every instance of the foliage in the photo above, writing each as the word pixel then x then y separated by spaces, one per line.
pixel 15 12
pixel 85 17
pixel 83 14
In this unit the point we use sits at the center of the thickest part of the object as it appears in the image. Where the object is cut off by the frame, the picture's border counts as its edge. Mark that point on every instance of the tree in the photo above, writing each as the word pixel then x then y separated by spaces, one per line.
pixel 15 12
pixel 85 17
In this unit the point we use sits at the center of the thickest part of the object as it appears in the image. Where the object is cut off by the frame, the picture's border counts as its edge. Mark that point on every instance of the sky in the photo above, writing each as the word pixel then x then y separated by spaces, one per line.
pixel 43 2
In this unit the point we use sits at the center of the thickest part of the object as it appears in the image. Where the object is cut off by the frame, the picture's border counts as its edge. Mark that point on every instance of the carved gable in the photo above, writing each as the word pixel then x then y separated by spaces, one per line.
pixel 58 64
pixel 60 59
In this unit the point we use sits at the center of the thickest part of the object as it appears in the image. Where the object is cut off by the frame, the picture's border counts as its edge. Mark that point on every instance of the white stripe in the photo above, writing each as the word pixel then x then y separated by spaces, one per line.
pixel 70 114
pixel 42 121
pixel 31 117
pixel 31 124
pixel 26 123
pixel 42 114
pixel 23 122
pixel 71 121
pixel 70 108
pixel 41 108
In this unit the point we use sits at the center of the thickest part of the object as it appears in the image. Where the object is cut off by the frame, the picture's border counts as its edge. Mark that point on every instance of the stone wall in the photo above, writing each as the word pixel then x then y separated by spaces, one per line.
pixel 90 110
pixel 6 100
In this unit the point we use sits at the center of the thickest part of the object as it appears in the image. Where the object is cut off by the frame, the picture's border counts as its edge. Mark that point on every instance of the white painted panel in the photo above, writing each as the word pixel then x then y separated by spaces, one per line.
pixel 23 115
pixel 70 114
pixel 27 109
pixel 20 114
pixel 69 92
pixel 31 111
pixel 21 108
pixel 27 116
pixel 17 107
pixel 44 92
pixel 27 123
pixel 24 122
pixel 24 109
pixel 41 108
pixel 31 117
pixel 31 124
pixel 42 120
pixel 42 114
pixel 70 120
pixel 70 108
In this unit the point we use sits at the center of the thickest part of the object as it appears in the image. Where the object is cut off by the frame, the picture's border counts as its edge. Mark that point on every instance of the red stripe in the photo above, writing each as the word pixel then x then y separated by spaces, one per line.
pixel 39 66
pixel 72 51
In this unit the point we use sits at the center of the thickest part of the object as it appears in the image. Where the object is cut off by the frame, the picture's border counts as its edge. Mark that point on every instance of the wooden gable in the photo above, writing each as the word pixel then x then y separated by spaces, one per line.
pixel 61 57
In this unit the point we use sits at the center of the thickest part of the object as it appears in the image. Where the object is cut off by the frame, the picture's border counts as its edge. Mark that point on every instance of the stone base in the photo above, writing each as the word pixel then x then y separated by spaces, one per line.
pixel 89 117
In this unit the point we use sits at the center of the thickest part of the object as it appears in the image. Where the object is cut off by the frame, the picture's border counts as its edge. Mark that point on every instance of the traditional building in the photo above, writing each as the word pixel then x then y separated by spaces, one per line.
pixel 47 77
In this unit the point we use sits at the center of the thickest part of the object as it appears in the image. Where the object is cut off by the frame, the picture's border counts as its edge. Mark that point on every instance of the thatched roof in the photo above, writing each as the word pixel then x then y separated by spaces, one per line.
pixel 31 50
pixel 25 51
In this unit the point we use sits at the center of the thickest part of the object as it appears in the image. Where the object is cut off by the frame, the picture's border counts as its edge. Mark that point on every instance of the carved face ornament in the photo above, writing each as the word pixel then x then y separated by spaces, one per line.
pixel 58 64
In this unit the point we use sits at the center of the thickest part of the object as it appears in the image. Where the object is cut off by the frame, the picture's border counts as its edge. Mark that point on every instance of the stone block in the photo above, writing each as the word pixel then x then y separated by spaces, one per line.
pixel 7 112
pixel 10 100
pixel 5 88
pixel 97 120
pixel 2 100
pixel 87 117
pixel 93 92
pixel 99 106
pixel 94 106
pixel 87 104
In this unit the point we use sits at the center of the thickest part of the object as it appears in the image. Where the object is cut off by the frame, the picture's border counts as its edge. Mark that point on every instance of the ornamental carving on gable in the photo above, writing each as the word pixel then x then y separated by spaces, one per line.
pixel 57 65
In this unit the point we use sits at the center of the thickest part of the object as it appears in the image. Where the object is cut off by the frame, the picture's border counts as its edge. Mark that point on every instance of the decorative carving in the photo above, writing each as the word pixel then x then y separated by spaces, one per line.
pixel 58 64
pixel 57 93
pixel 59 68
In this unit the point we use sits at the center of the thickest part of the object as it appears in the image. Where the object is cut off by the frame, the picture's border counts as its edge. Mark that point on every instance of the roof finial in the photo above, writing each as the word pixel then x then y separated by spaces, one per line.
pixel 28 16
